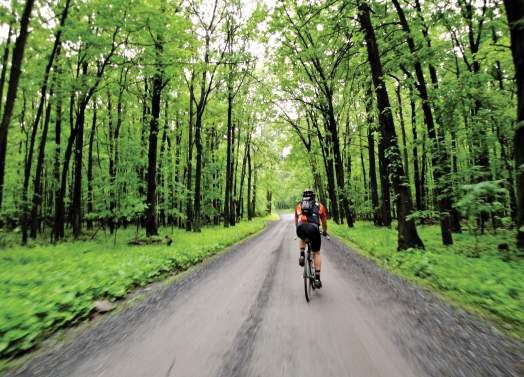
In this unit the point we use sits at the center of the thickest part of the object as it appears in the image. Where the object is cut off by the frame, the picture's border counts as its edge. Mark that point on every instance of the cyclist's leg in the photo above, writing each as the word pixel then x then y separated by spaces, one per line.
pixel 301 244
pixel 302 248
pixel 318 261
pixel 316 255
pixel 315 244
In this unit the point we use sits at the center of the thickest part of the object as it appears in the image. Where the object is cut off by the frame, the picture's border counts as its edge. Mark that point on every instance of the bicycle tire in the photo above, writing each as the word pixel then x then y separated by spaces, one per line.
pixel 307 273
pixel 307 281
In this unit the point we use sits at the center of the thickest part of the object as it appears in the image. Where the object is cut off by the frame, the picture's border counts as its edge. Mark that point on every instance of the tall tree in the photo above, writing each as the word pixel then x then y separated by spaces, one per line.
pixel 515 14
pixel 207 85
pixel 12 89
pixel 373 186
pixel 407 231
pixel 37 189
pixel 323 73
pixel 439 154
pixel 83 101
pixel 156 99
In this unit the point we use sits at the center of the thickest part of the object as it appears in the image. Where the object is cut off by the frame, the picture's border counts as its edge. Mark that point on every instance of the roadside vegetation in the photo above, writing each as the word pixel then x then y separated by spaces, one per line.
pixel 48 287
pixel 474 273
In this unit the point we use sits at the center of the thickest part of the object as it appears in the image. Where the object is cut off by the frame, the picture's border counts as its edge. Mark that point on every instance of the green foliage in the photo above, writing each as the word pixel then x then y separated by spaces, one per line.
pixel 486 197
pixel 424 216
pixel 490 284
pixel 47 287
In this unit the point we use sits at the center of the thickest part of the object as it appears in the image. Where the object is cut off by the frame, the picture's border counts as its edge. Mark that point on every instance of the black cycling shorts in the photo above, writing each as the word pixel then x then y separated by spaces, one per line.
pixel 310 231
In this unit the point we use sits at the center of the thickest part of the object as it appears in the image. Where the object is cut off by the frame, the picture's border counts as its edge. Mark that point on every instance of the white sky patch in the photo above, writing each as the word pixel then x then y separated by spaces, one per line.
pixel 4 32
pixel 263 26
pixel 286 151
pixel 257 48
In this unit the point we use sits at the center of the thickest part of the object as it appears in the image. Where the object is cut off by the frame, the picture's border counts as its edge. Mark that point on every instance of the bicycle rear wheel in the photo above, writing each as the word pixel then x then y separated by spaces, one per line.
pixel 307 281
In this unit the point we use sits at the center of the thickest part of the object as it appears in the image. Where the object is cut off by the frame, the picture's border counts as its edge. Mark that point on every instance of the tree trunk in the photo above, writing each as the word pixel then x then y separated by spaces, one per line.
pixel 240 207
pixel 58 136
pixel 5 59
pixel 146 111
pixel 198 171
pixel 26 219
pixel 373 186
pixel 327 156
pixel 90 196
pixel 59 204
pixel 503 140
pixel 213 146
pixel 416 168
pixel 423 172
pixel 330 174
pixel 114 150
pixel 249 174
pixel 178 142
pixel 76 206
pixel 363 165
pixel 229 173
pixel 189 168
pixel 480 141
pixel 14 78
pixel 515 14
pixel 455 215
pixel 151 218
pixel 407 231
pixel 163 195
pixel 201 105
pixel 403 130
pixel 385 196
pixel 37 189
pixel 37 185
pixel 25 188
pixel 254 192
pixel 339 168
pixel 112 170
pixel 439 154
pixel 234 170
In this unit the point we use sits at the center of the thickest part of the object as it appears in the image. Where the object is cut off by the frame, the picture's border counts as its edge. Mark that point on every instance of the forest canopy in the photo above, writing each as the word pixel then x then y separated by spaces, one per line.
pixel 191 113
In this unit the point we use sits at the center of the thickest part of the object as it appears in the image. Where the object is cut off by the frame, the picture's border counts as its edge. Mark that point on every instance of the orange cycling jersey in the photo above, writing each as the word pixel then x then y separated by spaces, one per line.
pixel 300 217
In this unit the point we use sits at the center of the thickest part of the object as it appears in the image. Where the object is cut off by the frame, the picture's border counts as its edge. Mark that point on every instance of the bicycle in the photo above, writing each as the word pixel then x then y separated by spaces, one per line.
pixel 309 270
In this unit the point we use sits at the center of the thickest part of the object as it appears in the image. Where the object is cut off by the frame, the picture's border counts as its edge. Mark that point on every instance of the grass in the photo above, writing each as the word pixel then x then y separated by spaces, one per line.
pixel 478 278
pixel 46 287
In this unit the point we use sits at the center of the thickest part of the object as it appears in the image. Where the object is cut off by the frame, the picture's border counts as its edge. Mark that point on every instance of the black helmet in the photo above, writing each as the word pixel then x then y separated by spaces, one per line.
pixel 309 193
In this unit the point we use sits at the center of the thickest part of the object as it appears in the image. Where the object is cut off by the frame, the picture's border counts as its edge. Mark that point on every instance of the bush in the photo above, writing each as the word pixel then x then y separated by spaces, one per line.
pixel 481 200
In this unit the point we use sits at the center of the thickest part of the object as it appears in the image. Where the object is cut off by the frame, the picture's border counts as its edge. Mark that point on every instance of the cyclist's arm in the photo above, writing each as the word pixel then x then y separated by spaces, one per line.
pixel 296 216
pixel 324 225
pixel 323 219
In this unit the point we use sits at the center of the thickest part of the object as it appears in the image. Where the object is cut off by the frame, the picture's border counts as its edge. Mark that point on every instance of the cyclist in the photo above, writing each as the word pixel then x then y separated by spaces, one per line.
pixel 308 216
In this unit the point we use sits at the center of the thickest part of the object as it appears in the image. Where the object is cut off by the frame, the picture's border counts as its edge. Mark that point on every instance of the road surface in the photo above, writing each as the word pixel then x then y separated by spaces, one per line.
pixel 244 314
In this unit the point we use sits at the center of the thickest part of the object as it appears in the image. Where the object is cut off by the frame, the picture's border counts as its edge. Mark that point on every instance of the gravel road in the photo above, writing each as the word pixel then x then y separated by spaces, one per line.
pixel 244 314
